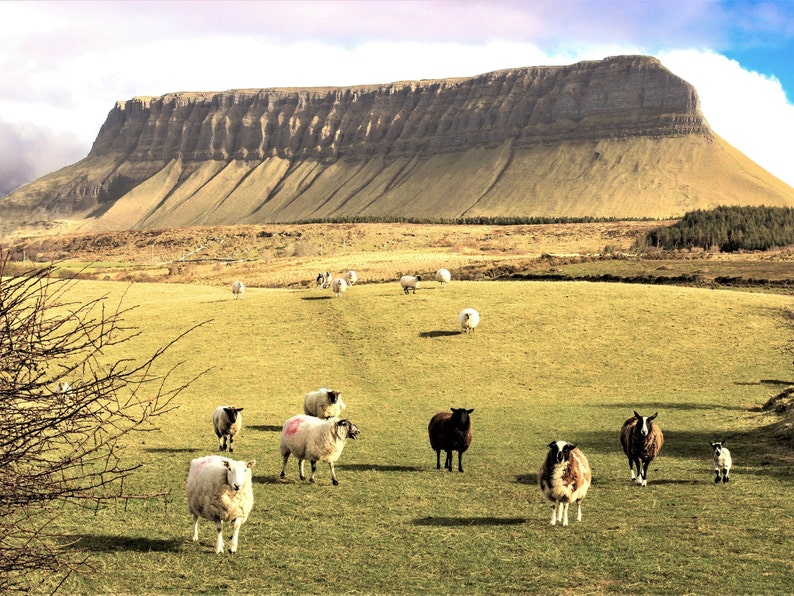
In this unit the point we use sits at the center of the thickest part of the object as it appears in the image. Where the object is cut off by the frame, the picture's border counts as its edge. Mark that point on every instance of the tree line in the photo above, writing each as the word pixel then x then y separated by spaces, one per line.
pixel 727 229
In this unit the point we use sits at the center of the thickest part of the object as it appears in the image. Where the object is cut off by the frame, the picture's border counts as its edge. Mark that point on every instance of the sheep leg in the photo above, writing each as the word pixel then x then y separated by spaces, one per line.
pixel 314 470
pixel 438 459
pixel 448 461
pixel 564 510
pixel 716 474
pixel 301 468
pixel 284 467
pixel 554 513
pixel 333 473
pixel 195 528
pixel 579 510
pixel 219 539
pixel 460 461
pixel 235 534
pixel 726 474
pixel 231 443
pixel 643 479
pixel 222 443
pixel 631 469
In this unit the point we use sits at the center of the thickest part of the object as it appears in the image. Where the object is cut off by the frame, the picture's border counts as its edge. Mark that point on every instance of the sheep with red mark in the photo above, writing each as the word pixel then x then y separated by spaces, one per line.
pixel 323 403
pixel 307 437
pixel 219 489
pixel 564 478
pixel 228 422
pixel 450 431
pixel 641 440
pixel 722 461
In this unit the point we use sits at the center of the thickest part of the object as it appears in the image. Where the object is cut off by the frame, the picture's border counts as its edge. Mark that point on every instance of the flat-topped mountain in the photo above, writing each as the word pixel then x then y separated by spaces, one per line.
pixel 621 137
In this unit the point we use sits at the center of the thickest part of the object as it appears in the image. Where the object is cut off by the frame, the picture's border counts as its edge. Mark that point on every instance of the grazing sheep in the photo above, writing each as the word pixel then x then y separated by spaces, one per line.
pixel 63 388
pixel 722 461
pixel 450 431
pixel 314 439
pixel 238 288
pixel 227 421
pixel 410 282
pixel 351 278
pixel 641 441
pixel 468 319
pixel 323 403
pixel 339 286
pixel 219 489
pixel 324 279
pixel 564 477
pixel 443 276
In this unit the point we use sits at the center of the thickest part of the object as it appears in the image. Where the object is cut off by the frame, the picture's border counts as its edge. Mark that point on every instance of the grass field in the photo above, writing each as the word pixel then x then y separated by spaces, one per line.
pixel 548 361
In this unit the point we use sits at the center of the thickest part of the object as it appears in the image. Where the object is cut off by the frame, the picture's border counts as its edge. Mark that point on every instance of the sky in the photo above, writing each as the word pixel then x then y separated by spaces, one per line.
pixel 64 65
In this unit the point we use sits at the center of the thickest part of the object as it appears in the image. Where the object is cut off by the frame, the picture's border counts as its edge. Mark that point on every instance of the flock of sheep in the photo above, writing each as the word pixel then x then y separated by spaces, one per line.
pixel 219 488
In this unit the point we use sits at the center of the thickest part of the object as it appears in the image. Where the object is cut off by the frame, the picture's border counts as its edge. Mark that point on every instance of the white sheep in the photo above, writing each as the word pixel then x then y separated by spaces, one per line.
pixel 564 477
pixel 339 286
pixel 227 421
pixel 410 282
pixel 238 288
pixel 722 461
pixel 219 489
pixel 443 276
pixel 323 403
pixel 314 439
pixel 351 277
pixel 468 319
pixel 324 279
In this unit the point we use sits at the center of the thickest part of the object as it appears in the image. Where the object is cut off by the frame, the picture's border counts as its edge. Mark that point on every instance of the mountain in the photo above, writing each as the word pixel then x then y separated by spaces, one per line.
pixel 620 137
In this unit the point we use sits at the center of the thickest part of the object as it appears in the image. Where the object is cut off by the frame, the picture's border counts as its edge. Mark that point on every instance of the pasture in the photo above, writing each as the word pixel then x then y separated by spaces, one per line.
pixel 548 361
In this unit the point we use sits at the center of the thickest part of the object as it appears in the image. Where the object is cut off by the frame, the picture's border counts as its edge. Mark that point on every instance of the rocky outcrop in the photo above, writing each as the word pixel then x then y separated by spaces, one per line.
pixel 620 137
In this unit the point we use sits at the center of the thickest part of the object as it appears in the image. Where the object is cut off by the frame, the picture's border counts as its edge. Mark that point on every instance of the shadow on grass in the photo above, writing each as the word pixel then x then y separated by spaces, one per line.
pixel 271 479
pixel 110 544
pixel 317 297
pixel 379 468
pixel 438 333
pixel 171 450
pixel 468 521
pixel 649 408
pixel 272 428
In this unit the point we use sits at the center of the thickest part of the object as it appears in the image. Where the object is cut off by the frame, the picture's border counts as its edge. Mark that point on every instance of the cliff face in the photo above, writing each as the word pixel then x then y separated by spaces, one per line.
pixel 620 137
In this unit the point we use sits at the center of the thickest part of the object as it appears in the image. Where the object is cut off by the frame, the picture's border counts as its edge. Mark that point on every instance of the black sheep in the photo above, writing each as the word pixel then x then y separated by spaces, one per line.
pixel 450 431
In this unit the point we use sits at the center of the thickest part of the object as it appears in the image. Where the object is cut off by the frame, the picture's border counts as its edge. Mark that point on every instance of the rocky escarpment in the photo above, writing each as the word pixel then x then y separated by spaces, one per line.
pixel 621 137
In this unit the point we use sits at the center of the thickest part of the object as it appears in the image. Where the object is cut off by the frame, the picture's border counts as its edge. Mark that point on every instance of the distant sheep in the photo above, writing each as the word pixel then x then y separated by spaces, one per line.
pixel 323 403
pixel 450 431
pixel 227 421
pixel 238 288
pixel 410 282
pixel 307 437
pixel 564 478
pixel 443 276
pixel 324 280
pixel 468 319
pixel 351 278
pixel 641 441
pixel 722 461
pixel 339 286
pixel 63 388
pixel 219 490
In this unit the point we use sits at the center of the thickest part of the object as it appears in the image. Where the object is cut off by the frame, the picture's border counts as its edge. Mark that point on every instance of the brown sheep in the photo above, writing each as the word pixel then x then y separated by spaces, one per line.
pixel 564 477
pixel 641 441
pixel 450 431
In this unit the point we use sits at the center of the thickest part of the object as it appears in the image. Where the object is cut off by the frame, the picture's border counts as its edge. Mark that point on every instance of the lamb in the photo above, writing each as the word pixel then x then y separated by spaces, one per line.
pixel 227 421
pixel 323 403
pixel 238 288
pixel 564 477
pixel 443 276
pixel 219 489
pixel 307 437
pixel 468 319
pixel 641 441
pixel 351 278
pixel 722 461
pixel 450 431
pixel 339 286
pixel 410 282
pixel 324 280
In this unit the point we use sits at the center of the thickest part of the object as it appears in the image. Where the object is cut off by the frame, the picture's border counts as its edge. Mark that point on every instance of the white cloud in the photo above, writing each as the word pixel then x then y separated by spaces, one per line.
pixel 747 109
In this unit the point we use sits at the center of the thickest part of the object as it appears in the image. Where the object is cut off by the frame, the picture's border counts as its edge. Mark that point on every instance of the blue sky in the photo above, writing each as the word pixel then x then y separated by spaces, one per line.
pixel 63 65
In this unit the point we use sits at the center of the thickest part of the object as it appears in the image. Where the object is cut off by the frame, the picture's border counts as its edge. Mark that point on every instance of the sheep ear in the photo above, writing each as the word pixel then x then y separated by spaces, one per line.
pixel 251 464
pixel 469 411
pixel 551 445
pixel 226 463
pixel 636 415
pixel 655 414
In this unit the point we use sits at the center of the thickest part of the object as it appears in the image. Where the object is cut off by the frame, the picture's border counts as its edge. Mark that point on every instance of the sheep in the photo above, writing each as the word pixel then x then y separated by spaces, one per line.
pixel 351 277
pixel 450 431
pixel 641 441
pixel 410 282
pixel 468 319
pixel 564 477
pixel 722 461
pixel 63 388
pixel 323 403
pixel 219 489
pixel 324 279
pixel 339 286
pixel 227 421
pixel 238 288
pixel 443 276
pixel 307 437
